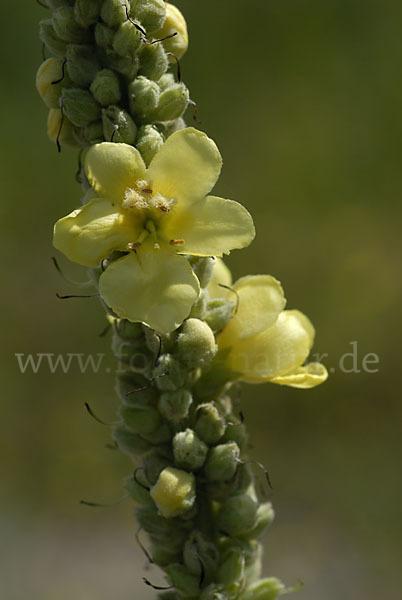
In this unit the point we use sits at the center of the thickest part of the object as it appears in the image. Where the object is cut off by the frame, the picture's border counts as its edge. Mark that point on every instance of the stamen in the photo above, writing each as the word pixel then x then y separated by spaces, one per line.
pixel 179 242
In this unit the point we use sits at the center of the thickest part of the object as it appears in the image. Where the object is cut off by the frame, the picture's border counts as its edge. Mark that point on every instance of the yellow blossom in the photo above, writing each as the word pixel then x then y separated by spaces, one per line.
pixel 174 492
pixel 153 216
pixel 176 24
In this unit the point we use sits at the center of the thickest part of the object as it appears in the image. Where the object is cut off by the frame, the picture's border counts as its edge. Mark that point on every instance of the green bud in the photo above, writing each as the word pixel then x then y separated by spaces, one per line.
pixel 170 374
pixel 195 343
pixel 48 73
pixel 126 65
pixel 166 81
pixel 67 28
pixel 199 307
pixel 185 583
pixel 149 141
pixel 170 532
pixel 164 556
pixel 188 450
pixel 222 462
pixel 87 12
pixel 219 313
pixel 174 406
pixel 237 515
pixel 236 432
pixel 93 132
pixel 126 383
pixel 118 126
pixel 203 267
pixel 105 87
pixel 231 572
pixel 82 64
pixel 154 61
pixel 265 517
pixel 209 426
pixel 266 589
pixel 127 330
pixel 129 353
pixel 129 442
pixel 161 435
pixel 127 40
pixel 214 592
pixel 51 40
pixel 151 13
pixel 104 35
pixel 172 103
pixel 143 96
pixel 114 12
pixel 80 107
pixel 140 419
pixel 155 462
pixel 174 492
pixel 137 488
pixel 200 556
pixel 253 563
pixel 169 127
pixel 55 4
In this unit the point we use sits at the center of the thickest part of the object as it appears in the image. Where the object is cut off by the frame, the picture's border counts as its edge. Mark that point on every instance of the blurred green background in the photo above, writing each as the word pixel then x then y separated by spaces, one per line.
pixel 304 101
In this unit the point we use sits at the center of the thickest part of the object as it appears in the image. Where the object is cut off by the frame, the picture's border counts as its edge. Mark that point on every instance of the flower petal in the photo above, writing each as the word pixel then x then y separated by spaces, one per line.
pixel 304 377
pixel 261 300
pixel 211 226
pixel 221 276
pixel 155 287
pixel 90 233
pixel 112 168
pixel 278 350
pixel 186 167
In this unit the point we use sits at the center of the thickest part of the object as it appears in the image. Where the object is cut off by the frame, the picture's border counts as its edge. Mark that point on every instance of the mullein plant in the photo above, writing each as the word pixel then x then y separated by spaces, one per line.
pixel 152 237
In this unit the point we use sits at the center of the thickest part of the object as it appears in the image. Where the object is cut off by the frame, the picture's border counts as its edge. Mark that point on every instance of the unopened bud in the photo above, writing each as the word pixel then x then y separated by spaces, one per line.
pixel 67 28
pixel 237 515
pixel 61 130
pixel 128 441
pixel 149 142
pixel 161 435
pixel 210 425
pixel 169 373
pixel 143 96
pixel 151 13
pixel 200 305
pixel 127 40
pixel 219 313
pixel 51 40
pixel 114 12
pixel 172 103
pixel 188 450
pixel 265 517
pixel 141 419
pixel 200 556
pixel 184 582
pixel 174 492
pixel 174 406
pixel 155 462
pixel 82 64
pixel 231 572
pixel 104 35
pixel 174 23
pixel 266 589
pixel 126 65
pixel 87 12
pixel 236 432
pixel 105 87
pixel 166 81
pixel 127 384
pixel 203 267
pixel 80 106
pixel 137 488
pixel 93 133
pixel 214 592
pixel 50 72
pixel 118 126
pixel 195 343
pixel 169 127
pixel 154 61
pixel 222 462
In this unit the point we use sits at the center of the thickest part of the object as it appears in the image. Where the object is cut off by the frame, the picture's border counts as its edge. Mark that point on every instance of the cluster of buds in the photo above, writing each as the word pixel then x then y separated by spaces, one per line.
pixel 107 77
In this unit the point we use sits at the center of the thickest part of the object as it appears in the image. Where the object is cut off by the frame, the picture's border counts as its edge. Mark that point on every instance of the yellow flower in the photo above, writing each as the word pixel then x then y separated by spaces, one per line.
pixel 175 23
pixel 266 342
pixel 154 216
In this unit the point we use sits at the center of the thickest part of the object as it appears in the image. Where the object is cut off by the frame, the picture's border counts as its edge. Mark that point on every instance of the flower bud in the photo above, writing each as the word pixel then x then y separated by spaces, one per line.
pixel 195 343
pixel 166 81
pixel 114 12
pixel 153 60
pixel 170 374
pixel 222 462
pixel 104 35
pixel 231 573
pixel 174 492
pixel 51 40
pixel 236 432
pixel 164 556
pixel 155 462
pixel 143 96
pixel 82 64
pixel 210 425
pixel 129 331
pixel 127 40
pixel 203 267
pixel 237 515
pixel 93 133
pixel 253 562
pixel 199 307
pixel 265 517
pixel 151 13
pixel 184 582
pixel 61 130
pixel 118 126
pixel 67 28
pixel 174 406
pixel 87 12
pixel 200 556
pixel 80 106
pixel 128 441
pixel 130 354
pixel 149 141
pixel 161 435
pixel 214 592
pixel 168 532
pixel 172 103
pixel 48 73
pixel 126 383
pixel 219 313
pixel 188 450
pixel 266 589
pixel 137 488
pixel 126 65
pixel 105 87
pixel 140 419
pixel 174 23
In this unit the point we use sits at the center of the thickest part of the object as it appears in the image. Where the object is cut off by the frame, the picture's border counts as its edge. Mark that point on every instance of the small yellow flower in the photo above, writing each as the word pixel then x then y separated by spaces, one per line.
pixel 155 216
pixel 174 492
pixel 175 24
pixel 266 342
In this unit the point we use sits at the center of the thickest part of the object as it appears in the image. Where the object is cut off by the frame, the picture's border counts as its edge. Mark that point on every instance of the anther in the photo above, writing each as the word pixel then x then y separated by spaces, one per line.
pixel 178 242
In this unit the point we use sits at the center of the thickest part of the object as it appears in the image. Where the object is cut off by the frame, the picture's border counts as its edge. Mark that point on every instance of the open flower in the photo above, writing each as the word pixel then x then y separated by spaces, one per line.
pixel 264 341
pixel 155 216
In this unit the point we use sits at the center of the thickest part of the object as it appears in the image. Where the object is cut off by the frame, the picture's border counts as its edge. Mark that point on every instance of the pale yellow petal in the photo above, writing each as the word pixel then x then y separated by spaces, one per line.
pixel 112 168
pixel 186 167
pixel 90 233
pixel 305 377
pixel 260 302
pixel 211 226
pixel 221 276
pixel 278 350
pixel 155 287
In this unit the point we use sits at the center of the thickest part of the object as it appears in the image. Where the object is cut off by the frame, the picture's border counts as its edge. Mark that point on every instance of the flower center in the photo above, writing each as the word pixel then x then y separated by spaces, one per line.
pixel 142 199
